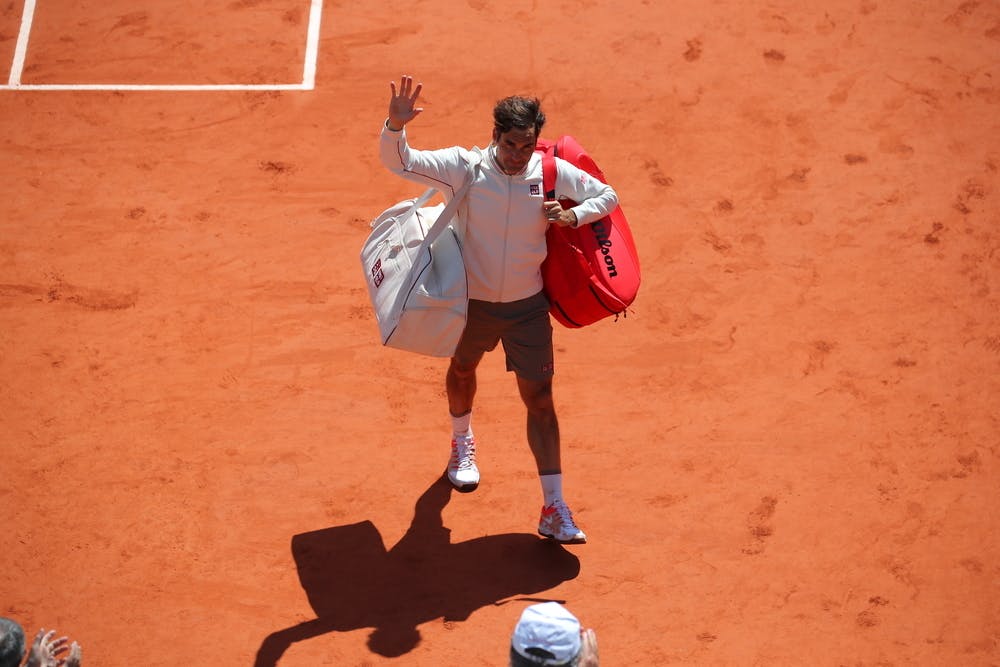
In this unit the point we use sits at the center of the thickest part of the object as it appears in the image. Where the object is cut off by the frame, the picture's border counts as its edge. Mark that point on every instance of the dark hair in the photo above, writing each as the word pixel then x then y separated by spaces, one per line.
pixel 11 643
pixel 518 660
pixel 520 112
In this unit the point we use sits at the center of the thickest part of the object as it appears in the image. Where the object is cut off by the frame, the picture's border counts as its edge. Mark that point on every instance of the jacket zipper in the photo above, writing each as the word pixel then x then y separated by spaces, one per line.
pixel 506 234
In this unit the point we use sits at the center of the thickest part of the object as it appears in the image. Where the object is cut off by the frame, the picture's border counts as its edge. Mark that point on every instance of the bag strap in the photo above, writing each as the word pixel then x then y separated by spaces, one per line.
pixel 549 176
pixel 449 210
pixel 438 227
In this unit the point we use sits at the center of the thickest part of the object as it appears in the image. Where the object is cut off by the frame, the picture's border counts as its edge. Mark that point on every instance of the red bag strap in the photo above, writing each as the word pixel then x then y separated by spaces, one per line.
pixel 549 176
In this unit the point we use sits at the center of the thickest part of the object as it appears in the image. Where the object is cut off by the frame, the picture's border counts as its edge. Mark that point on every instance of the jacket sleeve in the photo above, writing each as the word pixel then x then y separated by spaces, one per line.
pixel 594 199
pixel 445 169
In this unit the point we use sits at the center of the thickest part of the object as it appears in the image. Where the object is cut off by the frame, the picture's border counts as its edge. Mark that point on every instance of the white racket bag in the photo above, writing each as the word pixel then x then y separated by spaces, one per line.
pixel 415 273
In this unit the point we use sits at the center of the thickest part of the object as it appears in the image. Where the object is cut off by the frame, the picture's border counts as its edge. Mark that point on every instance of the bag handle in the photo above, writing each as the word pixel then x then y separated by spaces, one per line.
pixel 420 201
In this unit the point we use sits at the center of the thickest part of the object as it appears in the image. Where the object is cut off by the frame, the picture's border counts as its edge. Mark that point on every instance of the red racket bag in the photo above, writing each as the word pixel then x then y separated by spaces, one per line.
pixel 590 272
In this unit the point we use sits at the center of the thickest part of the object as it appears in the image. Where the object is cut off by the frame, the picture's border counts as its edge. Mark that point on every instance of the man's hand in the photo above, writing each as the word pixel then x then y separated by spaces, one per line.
pixel 45 650
pixel 588 652
pixel 402 103
pixel 75 656
pixel 554 212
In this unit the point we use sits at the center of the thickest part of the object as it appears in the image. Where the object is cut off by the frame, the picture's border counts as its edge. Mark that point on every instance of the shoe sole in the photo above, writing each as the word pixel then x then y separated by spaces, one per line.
pixel 463 488
pixel 555 539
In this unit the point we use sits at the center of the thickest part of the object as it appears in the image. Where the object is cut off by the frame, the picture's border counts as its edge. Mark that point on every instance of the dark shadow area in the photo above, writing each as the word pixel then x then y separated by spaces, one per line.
pixel 352 582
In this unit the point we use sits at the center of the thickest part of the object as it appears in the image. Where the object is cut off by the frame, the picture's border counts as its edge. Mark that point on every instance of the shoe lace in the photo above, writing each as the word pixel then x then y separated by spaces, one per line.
pixel 464 453
pixel 565 516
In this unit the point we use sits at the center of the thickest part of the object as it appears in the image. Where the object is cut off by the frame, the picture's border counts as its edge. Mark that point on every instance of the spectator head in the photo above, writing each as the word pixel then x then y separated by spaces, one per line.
pixel 11 643
pixel 546 634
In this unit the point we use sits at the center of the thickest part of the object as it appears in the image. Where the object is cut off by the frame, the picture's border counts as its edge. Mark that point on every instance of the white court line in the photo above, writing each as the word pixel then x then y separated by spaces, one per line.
pixel 312 45
pixel 21 50
pixel 151 86
pixel 308 73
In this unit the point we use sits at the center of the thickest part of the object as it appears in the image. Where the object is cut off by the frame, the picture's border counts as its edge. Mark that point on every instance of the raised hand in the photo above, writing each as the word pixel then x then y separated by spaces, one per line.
pixel 402 103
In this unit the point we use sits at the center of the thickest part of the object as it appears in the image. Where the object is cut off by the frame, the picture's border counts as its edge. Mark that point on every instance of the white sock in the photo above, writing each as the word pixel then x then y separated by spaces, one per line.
pixel 461 427
pixel 551 487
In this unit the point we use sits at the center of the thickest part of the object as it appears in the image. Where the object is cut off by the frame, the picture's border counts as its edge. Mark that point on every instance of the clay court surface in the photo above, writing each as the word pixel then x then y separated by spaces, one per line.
pixel 786 454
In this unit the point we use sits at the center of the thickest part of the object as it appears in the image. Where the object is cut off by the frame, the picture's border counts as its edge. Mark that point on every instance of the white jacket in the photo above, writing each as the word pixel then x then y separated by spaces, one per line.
pixel 503 225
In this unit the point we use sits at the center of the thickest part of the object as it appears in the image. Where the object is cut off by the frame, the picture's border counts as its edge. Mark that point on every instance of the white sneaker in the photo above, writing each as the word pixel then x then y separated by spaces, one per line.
pixel 462 471
pixel 557 523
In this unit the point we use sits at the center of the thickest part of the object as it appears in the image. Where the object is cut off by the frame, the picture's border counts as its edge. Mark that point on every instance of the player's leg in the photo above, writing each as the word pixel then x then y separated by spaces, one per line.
pixel 543 425
pixel 529 350
pixel 556 520
pixel 480 336
pixel 460 384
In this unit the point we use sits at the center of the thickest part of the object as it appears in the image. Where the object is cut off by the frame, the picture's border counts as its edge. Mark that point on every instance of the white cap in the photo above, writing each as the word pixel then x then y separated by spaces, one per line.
pixel 551 627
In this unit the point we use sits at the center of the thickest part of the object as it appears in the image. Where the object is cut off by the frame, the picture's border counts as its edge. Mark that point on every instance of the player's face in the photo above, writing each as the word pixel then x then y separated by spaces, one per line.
pixel 514 148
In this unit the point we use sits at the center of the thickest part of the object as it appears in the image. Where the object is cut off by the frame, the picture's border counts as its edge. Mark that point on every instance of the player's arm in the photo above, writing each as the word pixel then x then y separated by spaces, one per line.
pixel 444 169
pixel 594 199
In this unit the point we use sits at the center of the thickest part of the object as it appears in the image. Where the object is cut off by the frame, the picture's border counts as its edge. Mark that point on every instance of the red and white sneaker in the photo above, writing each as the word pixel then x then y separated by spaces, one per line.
pixel 557 523
pixel 462 471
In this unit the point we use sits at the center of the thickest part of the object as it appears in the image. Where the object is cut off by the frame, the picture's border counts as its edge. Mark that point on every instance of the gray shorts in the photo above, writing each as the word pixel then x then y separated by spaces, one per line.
pixel 523 326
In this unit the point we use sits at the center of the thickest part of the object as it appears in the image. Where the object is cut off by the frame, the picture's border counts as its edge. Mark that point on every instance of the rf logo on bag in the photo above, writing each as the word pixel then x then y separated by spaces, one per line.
pixel 377 275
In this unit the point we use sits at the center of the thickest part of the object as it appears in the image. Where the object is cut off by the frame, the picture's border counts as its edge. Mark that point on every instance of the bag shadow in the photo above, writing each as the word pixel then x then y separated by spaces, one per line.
pixel 353 582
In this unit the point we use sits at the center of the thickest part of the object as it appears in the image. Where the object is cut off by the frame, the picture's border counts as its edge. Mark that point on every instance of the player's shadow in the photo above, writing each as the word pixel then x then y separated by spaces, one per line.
pixel 352 582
